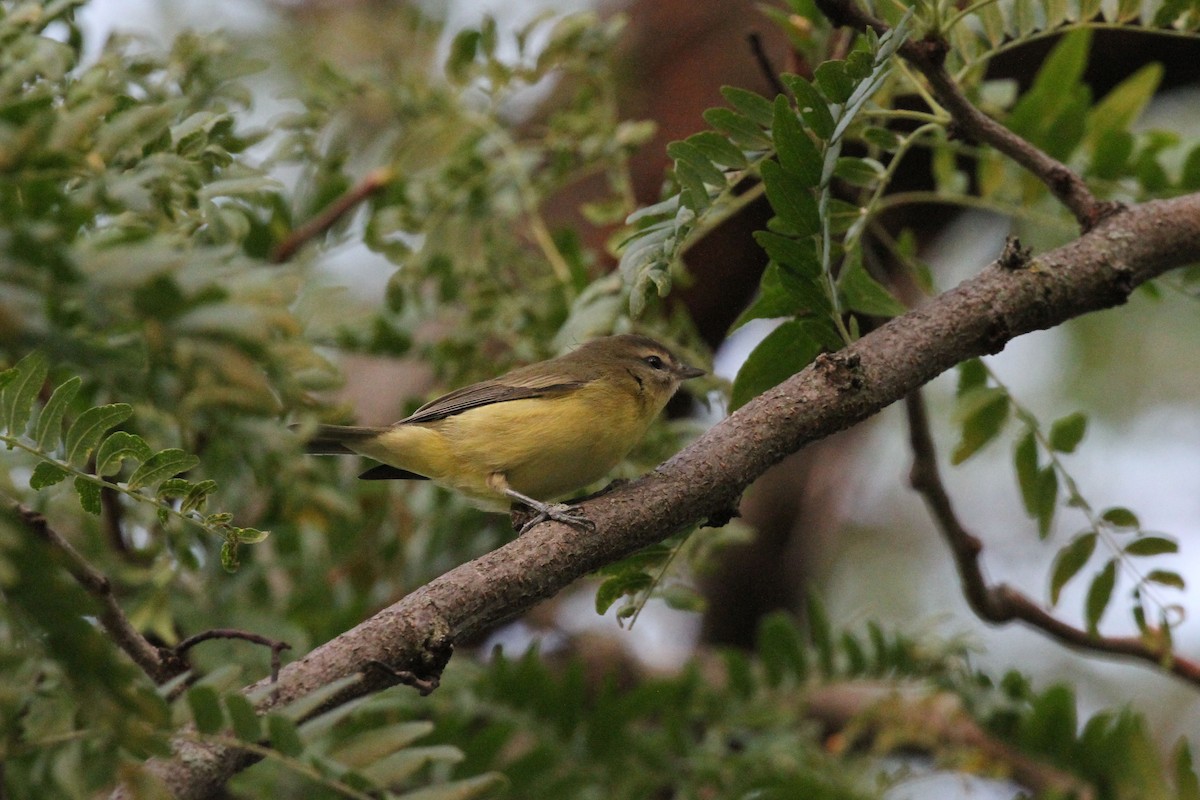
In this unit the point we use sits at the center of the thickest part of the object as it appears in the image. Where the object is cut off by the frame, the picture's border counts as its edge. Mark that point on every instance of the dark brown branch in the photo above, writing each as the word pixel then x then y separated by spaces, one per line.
pixel 1098 270
pixel 928 57
pixel 1001 604
pixel 764 63
pixel 112 617
pixel 274 645
pixel 918 716
pixel 329 216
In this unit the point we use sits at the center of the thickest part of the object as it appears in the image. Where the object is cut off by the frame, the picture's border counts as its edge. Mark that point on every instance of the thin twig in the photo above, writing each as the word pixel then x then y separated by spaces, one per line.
pixel 764 63
pixel 928 56
pixel 1001 603
pixel 328 217
pixel 112 617
pixel 275 645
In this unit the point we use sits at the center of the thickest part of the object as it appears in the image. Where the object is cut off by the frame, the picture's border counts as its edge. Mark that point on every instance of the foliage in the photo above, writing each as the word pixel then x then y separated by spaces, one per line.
pixel 984 409
pixel 738 726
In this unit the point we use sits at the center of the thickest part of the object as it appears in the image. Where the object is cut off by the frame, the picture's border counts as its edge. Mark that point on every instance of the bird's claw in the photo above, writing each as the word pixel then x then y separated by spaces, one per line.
pixel 560 512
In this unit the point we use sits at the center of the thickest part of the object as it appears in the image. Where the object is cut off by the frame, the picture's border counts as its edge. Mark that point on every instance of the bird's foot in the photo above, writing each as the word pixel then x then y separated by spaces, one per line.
pixel 559 512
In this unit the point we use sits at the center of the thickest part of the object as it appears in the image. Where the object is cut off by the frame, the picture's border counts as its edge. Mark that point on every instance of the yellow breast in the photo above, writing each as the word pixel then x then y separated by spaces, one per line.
pixel 544 447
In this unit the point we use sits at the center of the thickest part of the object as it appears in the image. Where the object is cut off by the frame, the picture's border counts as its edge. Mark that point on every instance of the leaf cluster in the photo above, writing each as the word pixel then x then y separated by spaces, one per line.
pixel 984 409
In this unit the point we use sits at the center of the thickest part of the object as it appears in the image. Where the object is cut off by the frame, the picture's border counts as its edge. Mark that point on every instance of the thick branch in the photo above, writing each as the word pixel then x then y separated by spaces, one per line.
pixel 928 57
pixel 978 317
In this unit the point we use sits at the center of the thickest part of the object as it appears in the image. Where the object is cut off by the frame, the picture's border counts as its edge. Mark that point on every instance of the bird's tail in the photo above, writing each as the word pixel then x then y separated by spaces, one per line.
pixel 330 440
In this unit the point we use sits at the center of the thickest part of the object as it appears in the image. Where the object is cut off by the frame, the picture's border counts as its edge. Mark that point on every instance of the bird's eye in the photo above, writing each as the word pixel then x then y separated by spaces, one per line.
pixel 654 361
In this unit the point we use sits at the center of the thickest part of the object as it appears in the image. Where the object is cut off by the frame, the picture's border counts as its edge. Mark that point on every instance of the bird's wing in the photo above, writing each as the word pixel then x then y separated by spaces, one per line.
pixel 517 385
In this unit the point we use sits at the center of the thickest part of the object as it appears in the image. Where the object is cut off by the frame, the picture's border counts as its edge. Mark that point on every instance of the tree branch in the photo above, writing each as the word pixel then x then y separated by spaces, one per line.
pixel 152 661
pixel 328 217
pixel 928 57
pixel 916 716
pixel 1000 604
pixel 416 634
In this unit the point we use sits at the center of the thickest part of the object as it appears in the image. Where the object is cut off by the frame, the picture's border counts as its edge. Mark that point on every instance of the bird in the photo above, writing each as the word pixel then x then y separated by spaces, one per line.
pixel 530 436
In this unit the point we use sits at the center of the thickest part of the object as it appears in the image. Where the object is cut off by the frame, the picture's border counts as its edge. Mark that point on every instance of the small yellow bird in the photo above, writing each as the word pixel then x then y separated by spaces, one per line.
pixel 531 435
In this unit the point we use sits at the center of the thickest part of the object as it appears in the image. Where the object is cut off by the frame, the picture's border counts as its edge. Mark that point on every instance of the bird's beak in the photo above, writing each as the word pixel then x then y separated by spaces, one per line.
pixel 684 372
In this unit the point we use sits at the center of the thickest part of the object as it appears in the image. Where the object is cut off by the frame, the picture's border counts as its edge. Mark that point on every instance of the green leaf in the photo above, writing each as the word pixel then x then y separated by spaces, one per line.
pixel 784 294
pixel 833 81
pixel 1099 594
pixel 1187 785
pixel 1066 433
pixel 48 431
pixel 1121 107
pixel 118 447
pixel 797 153
pixel 302 707
pixel 972 374
pixel 86 431
pixel 251 535
pixel 1165 577
pixel 814 109
pixel 886 140
pixel 89 495
pixel 463 49
pixel 859 65
pixel 160 466
pixel 754 106
pixel 1069 561
pixel 718 149
pixel 693 191
pixel 1120 517
pixel 206 710
pixel 984 413
pixel 462 789
pixel 372 745
pixel 1025 464
pixel 858 171
pixel 196 495
pixel 403 764
pixel 19 392
pixel 864 294
pixel 1040 107
pixel 246 723
pixel 820 633
pixel 284 736
pixel 1046 500
pixel 856 656
pixel 740 130
pixel 1189 179
pixel 785 351
pixel 46 473
pixel 1111 154
pixel 1151 546
pixel 780 648
pixel 684 153
pixel 799 256
pixel 791 198
pixel 616 587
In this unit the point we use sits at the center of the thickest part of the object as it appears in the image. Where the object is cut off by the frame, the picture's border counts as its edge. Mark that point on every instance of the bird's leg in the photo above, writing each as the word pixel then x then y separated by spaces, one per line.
pixel 559 512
